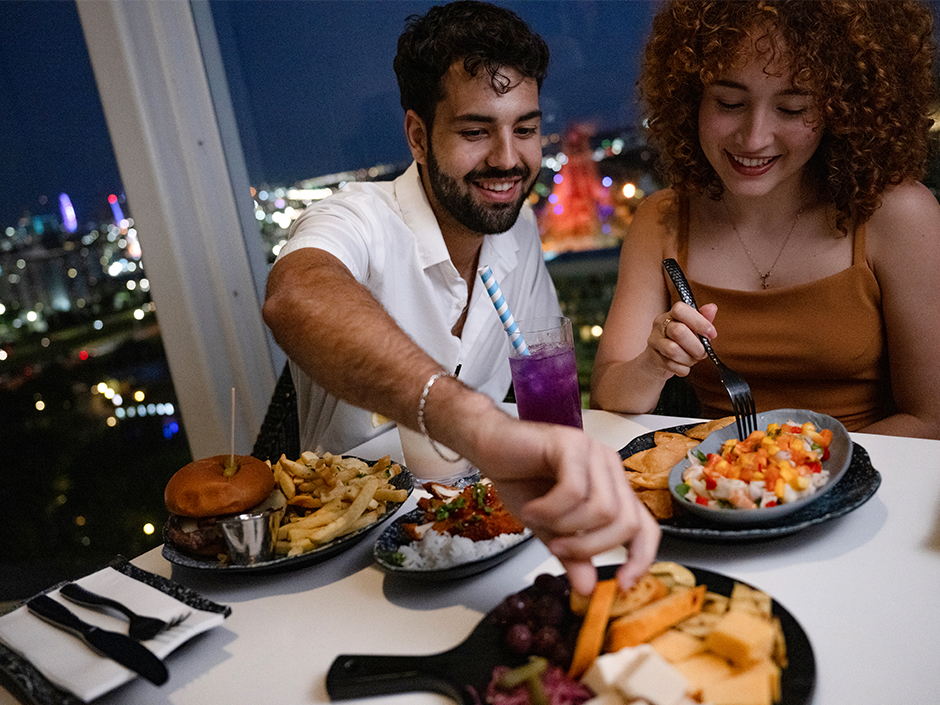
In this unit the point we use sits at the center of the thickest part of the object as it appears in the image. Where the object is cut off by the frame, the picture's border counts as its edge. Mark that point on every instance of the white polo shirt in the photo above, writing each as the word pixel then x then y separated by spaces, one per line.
pixel 388 237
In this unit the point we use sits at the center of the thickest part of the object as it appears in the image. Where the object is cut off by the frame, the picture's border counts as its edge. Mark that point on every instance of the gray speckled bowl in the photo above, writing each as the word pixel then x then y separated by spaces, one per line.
pixel 840 455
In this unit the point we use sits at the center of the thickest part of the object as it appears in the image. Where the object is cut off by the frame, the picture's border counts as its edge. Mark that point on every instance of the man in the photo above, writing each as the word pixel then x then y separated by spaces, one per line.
pixel 375 297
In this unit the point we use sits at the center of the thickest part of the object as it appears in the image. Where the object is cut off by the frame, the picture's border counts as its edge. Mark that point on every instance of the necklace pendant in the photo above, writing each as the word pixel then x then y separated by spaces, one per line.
pixel 763 280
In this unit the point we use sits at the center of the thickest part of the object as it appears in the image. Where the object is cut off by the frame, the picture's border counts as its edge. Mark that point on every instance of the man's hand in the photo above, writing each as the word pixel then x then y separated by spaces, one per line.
pixel 570 490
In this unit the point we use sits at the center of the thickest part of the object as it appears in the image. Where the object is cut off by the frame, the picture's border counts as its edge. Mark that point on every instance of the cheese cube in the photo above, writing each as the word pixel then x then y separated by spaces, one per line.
pixel 703 669
pixel 752 686
pixel 675 646
pixel 655 681
pixel 611 697
pixel 742 638
pixel 608 669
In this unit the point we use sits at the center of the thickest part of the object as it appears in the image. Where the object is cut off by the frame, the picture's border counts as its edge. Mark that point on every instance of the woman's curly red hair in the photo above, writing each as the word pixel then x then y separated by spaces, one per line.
pixel 868 64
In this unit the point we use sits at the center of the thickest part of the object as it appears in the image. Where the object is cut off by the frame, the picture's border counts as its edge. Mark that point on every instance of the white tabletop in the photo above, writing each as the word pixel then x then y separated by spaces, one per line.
pixel 864 587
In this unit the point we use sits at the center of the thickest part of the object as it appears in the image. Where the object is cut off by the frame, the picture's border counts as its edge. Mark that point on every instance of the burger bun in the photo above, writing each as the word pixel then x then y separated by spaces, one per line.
pixel 203 489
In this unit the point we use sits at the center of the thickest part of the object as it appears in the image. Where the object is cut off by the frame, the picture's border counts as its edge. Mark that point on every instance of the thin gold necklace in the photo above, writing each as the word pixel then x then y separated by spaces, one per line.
pixel 764 276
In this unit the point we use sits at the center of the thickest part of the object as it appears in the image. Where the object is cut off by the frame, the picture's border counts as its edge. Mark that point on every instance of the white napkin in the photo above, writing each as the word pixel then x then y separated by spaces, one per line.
pixel 614 430
pixel 69 663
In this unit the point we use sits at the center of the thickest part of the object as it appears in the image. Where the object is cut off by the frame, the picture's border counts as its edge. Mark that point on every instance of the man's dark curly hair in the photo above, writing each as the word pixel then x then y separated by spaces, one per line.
pixel 869 65
pixel 479 34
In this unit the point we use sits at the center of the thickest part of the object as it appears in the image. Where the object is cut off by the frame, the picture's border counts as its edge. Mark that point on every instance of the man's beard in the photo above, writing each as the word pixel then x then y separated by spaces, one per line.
pixel 459 202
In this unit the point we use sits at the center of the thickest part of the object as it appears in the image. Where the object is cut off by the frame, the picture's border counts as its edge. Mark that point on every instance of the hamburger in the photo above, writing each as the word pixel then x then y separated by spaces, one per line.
pixel 206 490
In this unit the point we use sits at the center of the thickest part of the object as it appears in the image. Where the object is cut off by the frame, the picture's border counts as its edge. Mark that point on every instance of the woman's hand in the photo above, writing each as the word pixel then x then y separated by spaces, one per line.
pixel 674 337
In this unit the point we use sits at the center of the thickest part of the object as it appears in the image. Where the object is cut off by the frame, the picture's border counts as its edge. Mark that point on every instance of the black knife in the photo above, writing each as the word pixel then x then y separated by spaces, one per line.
pixel 116 646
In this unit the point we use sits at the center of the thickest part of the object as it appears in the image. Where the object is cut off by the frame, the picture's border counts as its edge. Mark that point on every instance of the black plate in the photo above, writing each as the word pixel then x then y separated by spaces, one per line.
pixel 857 486
pixel 403 480
pixel 392 539
pixel 463 673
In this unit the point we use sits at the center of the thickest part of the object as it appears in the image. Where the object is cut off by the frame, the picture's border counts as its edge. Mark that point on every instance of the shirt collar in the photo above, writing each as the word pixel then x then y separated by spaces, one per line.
pixel 499 251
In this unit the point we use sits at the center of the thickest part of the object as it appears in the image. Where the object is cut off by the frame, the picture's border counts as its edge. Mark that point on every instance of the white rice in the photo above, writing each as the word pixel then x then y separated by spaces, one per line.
pixel 435 551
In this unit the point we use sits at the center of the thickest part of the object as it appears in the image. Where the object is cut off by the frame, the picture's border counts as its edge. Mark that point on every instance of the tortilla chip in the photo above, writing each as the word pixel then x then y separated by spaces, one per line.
pixel 668 439
pixel 659 502
pixel 670 449
pixel 649 480
pixel 637 461
pixel 702 431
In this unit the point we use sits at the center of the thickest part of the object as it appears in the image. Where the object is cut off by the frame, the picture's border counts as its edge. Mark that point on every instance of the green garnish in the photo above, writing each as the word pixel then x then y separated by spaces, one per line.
pixel 445 510
pixel 682 489
pixel 702 458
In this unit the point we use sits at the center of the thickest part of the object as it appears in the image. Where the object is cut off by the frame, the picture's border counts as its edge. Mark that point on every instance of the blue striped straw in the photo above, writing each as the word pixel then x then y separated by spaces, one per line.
pixel 502 308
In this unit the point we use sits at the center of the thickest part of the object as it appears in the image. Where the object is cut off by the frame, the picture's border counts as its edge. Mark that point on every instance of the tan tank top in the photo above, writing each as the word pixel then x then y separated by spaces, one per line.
pixel 819 346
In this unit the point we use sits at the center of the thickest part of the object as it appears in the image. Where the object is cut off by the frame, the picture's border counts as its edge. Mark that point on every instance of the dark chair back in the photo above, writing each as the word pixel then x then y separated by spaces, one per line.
pixel 280 430
pixel 678 399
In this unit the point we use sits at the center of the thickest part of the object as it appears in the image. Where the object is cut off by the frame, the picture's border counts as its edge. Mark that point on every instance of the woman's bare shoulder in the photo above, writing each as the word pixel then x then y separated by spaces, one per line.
pixel 658 211
pixel 906 223
pixel 904 204
pixel 663 200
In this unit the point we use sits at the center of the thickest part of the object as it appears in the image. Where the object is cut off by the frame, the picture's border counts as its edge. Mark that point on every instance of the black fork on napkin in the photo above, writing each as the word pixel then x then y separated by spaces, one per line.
pixel 140 627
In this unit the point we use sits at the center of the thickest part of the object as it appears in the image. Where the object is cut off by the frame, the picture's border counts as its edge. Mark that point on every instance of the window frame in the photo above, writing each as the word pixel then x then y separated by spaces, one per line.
pixel 162 86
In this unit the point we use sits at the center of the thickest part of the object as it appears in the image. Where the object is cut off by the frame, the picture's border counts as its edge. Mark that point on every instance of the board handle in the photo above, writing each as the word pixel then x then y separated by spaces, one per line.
pixel 359 676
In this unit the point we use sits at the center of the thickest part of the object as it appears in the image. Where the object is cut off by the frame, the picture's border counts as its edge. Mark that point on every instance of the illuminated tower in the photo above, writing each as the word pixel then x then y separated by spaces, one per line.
pixel 573 217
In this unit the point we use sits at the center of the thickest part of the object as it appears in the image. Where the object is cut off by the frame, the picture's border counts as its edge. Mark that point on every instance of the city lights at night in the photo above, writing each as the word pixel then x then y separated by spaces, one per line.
pixel 88 399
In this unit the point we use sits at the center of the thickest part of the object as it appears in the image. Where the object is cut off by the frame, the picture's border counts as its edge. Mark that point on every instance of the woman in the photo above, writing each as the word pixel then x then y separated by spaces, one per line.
pixel 793 134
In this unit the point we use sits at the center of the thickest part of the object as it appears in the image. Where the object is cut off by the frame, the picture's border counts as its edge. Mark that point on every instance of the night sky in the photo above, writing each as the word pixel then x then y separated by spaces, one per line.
pixel 312 83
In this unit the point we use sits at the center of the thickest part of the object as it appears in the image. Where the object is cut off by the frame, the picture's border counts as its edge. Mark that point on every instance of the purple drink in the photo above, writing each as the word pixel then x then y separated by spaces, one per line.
pixel 546 384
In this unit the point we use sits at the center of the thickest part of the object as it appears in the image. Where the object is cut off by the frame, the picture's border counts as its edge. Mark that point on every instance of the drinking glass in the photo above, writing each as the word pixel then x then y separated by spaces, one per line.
pixel 546 379
pixel 425 464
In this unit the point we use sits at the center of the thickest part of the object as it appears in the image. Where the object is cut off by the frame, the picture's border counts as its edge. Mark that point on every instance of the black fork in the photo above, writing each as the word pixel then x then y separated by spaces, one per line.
pixel 140 628
pixel 742 401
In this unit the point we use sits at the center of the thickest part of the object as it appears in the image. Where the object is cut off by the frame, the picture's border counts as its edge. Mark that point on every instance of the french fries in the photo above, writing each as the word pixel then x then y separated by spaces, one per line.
pixel 329 496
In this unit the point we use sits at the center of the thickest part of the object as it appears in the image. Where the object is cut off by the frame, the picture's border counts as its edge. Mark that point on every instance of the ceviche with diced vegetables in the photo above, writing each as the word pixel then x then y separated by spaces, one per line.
pixel 766 469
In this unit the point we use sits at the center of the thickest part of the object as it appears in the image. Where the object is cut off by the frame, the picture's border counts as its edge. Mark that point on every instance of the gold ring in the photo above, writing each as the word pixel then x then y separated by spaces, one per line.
pixel 663 327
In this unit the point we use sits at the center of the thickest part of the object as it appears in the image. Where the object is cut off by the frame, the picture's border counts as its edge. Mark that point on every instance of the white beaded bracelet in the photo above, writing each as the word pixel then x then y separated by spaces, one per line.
pixel 421 427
